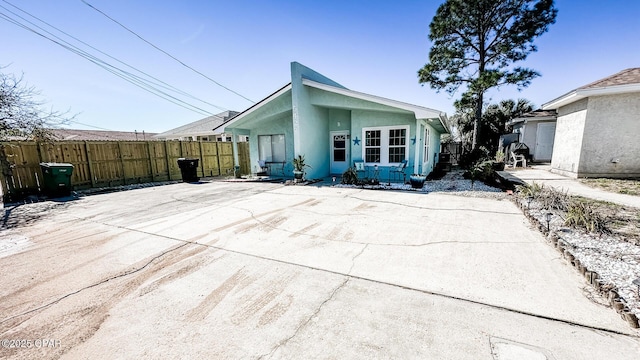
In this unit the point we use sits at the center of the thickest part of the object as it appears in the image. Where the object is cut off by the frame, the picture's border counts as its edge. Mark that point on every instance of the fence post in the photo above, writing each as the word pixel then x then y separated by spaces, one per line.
pixel 218 157
pixel 166 156
pixel 89 165
pixel 124 175
pixel 201 158
pixel 151 161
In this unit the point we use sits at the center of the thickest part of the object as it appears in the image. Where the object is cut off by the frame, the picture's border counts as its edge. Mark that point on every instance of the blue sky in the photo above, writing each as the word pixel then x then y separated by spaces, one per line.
pixel 371 46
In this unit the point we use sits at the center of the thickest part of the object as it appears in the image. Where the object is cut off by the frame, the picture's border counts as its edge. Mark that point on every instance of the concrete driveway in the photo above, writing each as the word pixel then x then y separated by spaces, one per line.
pixel 263 271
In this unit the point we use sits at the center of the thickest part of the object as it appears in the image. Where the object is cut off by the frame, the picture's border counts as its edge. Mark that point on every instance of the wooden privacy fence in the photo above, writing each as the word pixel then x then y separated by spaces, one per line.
pixel 113 163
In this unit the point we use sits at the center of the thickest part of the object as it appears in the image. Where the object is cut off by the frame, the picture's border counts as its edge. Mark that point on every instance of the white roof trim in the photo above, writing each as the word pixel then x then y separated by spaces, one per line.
pixel 579 94
pixel 533 118
pixel 222 127
pixel 420 111
pixel 199 133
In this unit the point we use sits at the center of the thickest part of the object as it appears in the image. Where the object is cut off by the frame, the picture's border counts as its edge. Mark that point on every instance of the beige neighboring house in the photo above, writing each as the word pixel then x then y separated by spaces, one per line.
pixel 100 135
pixel 537 130
pixel 598 128
pixel 202 130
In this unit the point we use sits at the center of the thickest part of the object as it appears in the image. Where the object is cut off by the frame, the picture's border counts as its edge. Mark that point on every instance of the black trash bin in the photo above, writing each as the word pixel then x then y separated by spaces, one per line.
pixel 189 169
pixel 56 180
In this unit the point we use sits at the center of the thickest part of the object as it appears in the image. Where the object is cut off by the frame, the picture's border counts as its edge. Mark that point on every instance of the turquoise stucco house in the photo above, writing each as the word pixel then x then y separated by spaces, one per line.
pixel 333 127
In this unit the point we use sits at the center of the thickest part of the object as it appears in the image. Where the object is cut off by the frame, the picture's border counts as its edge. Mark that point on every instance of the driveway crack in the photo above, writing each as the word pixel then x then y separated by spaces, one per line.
pixel 304 323
pixel 353 260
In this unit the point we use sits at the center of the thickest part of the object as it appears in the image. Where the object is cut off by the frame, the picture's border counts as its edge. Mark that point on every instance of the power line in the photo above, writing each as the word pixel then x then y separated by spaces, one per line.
pixel 168 86
pixel 144 84
pixel 89 125
pixel 135 80
pixel 166 53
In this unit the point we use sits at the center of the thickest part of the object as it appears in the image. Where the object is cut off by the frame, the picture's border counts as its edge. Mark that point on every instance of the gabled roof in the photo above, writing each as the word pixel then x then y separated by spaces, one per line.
pixel 624 77
pixel 99 135
pixel 254 107
pixel 202 126
pixel 625 81
pixel 421 112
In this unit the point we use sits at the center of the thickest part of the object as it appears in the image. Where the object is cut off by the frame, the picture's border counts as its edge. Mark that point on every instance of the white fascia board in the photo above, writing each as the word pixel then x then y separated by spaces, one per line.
pixel 222 127
pixel 579 94
pixel 531 119
pixel 421 112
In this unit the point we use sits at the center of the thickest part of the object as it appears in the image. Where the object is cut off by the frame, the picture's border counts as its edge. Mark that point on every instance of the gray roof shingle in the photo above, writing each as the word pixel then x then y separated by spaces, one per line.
pixel 624 77
pixel 200 126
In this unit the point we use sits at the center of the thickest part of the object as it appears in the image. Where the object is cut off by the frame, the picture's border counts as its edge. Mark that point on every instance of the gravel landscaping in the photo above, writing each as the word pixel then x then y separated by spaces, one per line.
pixel 614 257
pixel 453 182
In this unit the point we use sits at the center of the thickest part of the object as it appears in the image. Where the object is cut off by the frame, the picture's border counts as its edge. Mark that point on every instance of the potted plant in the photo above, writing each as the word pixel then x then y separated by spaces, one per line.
pixel 499 163
pixel 417 180
pixel 298 167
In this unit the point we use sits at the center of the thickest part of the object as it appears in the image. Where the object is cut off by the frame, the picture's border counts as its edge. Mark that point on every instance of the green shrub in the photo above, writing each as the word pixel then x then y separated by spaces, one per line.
pixel 484 171
pixel 350 177
pixel 470 158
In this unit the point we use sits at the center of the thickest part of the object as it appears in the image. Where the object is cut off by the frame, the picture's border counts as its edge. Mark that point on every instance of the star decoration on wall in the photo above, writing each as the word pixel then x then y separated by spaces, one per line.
pixel 356 141
pixel 413 140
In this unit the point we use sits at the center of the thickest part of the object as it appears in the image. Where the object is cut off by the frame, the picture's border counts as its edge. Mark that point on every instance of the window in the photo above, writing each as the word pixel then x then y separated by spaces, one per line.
pixel 397 145
pixel 385 145
pixel 372 146
pixel 271 148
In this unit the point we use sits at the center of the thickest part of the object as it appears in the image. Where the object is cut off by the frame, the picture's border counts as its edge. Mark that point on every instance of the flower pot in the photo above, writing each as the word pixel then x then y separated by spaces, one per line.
pixel 498 166
pixel 298 174
pixel 417 181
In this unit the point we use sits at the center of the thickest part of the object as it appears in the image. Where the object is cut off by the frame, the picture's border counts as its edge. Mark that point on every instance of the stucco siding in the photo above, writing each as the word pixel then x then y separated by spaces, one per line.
pixel 333 100
pixel 568 140
pixel 611 145
pixel 275 126
pixel 420 166
pixel 364 119
pixel 339 120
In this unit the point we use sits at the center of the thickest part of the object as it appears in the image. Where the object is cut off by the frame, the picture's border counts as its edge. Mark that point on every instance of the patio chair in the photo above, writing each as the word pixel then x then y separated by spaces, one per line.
pixel 262 168
pixel 399 170
pixel 359 166
pixel 518 158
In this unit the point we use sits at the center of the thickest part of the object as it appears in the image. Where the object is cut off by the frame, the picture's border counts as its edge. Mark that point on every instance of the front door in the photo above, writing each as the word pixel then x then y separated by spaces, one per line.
pixel 339 151
pixel 544 141
pixel 426 151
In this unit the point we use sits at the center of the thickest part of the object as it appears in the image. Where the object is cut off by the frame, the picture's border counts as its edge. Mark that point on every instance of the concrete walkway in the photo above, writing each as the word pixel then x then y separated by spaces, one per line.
pixel 540 174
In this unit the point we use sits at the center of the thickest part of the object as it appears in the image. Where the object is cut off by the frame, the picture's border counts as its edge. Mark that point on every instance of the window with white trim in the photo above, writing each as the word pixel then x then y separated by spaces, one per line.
pixel 385 145
pixel 271 148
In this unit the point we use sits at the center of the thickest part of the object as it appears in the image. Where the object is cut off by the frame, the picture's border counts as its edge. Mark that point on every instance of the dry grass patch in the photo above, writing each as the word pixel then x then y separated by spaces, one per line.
pixel 621 186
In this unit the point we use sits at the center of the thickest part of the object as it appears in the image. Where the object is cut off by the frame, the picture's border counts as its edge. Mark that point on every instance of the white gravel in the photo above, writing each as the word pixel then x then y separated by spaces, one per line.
pixel 616 261
pixel 453 182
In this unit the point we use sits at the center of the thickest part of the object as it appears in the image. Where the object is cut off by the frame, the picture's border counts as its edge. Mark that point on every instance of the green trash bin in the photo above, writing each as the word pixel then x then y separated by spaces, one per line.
pixel 56 181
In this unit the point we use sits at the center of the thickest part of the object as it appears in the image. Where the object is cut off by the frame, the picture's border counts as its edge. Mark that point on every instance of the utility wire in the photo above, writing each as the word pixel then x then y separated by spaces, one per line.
pixel 160 82
pixel 135 80
pixel 166 53
pixel 145 84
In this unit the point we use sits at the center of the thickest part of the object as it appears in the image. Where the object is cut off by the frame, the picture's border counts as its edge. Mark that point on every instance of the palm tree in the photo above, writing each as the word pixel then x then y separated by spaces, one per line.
pixel 495 118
